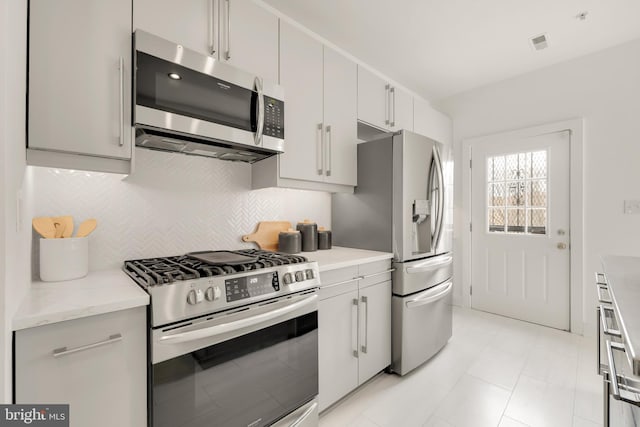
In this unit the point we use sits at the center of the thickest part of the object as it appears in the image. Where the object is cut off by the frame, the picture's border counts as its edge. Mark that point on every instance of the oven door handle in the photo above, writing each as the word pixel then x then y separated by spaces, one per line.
pixel 237 324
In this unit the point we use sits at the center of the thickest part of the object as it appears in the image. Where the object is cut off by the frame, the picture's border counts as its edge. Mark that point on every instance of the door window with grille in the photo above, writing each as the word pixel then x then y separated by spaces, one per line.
pixel 517 193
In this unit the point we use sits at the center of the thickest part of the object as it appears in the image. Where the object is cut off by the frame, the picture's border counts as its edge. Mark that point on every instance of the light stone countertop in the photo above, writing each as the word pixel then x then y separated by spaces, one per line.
pixel 97 293
pixel 339 257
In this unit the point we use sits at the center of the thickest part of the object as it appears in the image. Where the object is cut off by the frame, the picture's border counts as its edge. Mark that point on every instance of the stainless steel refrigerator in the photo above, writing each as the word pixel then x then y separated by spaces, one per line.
pixel 403 204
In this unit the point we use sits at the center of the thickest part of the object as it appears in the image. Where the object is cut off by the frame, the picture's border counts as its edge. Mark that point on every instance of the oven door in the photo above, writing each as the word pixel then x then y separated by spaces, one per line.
pixel 249 367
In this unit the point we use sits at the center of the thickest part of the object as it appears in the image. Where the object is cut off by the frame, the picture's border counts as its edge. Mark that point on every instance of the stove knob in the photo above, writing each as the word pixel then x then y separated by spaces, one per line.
pixel 195 296
pixel 299 276
pixel 208 294
pixel 287 279
pixel 217 293
pixel 309 274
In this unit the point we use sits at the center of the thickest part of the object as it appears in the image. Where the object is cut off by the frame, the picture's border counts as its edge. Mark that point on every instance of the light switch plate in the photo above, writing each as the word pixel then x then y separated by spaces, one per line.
pixel 632 207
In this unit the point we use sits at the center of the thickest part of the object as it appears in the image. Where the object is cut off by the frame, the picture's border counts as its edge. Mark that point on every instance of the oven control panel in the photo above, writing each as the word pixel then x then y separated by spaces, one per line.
pixel 250 286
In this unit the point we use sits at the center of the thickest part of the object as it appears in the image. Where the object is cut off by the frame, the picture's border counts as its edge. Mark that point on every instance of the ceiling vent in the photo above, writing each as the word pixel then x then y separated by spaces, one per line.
pixel 540 42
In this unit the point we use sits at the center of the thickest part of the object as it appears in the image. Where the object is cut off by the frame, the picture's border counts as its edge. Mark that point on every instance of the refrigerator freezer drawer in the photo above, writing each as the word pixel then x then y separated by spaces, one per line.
pixel 414 276
pixel 422 325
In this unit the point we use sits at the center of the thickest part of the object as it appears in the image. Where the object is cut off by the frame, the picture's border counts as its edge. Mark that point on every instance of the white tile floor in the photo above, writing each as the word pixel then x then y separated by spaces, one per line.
pixel 494 371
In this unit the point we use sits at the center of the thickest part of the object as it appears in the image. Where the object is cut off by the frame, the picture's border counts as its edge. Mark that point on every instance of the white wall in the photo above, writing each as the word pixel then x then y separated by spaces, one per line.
pixel 604 88
pixel 170 205
pixel 15 241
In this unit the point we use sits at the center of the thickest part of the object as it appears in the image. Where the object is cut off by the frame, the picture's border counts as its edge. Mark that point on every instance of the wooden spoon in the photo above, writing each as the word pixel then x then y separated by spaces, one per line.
pixel 67 222
pixel 44 226
pixel 86 227
pixel 59 228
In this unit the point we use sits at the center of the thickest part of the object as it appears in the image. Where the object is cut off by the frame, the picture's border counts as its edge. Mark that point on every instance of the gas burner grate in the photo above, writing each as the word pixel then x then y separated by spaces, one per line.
pixel 159 271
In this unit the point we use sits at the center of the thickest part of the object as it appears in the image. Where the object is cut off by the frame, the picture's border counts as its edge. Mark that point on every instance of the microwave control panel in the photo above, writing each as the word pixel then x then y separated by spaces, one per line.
pixel 273 118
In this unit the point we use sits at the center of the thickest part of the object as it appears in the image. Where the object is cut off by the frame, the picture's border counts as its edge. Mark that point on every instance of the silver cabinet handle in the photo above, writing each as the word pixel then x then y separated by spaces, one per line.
pixel 365 302
pixel 613 376
pixel 328 150
pixel 227 55
pixel 355 279
pixel 260 125
pixel 63 351
pixel 319 149
pixel 212 27
pixel 603 320
pixel 391 270
pixel 387 113
pixel 601 279
pixel 354 326
pixel 392 103
pixel 237 324
pixel 602 287
pixel 303 417
pixel 121 112
pixel 598 343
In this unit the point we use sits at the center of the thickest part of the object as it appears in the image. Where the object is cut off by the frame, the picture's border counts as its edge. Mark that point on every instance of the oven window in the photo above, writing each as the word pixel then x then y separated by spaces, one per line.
pixel 193 94
pixel 254 379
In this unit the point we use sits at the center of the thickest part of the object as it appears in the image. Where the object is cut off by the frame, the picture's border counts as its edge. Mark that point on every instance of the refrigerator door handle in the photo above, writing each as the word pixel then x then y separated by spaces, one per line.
pixel 429 296
pixel 440 200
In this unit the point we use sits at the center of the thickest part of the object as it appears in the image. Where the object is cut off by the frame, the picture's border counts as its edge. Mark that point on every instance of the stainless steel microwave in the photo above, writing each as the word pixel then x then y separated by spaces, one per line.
pixel 188 102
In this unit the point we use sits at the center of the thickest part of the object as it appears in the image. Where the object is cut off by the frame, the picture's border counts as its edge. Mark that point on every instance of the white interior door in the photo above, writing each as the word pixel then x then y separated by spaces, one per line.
pixel 520 237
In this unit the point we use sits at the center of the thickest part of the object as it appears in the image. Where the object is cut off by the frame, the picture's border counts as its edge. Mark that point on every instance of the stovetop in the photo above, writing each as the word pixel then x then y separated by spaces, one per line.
pixel 166 270
pixel 202 283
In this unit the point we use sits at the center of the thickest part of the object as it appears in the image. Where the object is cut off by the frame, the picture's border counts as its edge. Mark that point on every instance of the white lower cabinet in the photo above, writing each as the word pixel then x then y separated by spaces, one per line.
pixel 354 328
pixel 97 365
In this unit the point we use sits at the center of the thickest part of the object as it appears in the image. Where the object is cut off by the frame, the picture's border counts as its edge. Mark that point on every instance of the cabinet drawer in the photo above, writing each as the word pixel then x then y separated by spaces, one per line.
pixel 85 363
pixel 336 282
pixel 374 272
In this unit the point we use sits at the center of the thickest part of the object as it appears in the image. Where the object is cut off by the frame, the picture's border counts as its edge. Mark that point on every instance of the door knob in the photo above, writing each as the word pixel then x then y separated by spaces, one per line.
pixel 562 246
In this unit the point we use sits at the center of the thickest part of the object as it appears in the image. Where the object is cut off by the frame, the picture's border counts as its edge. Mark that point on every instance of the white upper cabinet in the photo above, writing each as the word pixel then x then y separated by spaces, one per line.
pixel 340 118
pixel 373 99
pixel 239 32
pixel 79 82
pixel 301 78
pixel 382 104
pixel 431 123
pixel 320 87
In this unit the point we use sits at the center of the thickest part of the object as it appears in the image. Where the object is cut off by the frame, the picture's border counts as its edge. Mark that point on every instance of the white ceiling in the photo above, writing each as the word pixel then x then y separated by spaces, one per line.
pixel 438 48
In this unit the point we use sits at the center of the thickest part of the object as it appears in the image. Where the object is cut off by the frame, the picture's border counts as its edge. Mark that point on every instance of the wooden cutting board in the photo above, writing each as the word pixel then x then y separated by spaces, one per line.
pixel 266 234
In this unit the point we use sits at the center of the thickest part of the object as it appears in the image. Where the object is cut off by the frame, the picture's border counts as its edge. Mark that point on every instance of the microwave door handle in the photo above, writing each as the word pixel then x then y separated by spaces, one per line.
pixel 260 124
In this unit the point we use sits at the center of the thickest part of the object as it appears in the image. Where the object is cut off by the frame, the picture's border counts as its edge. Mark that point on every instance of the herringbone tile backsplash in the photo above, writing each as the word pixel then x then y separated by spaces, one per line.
pixel 170 205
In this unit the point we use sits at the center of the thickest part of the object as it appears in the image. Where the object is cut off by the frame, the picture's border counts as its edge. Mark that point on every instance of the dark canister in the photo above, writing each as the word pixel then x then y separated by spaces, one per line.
pixel 324 238
pixel 289 241
pixel 309 234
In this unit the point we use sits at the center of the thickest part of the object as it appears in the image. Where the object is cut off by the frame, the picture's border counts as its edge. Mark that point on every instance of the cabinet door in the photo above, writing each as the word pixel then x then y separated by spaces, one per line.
pixel 192 24
pixel 402 110
pixel 79 94
pixel 249 38
pixel 301 78
pixel 373 99
pixel 111 375
pixel 430 122
pixel 337 342
pixel 340 118
pixel 375 330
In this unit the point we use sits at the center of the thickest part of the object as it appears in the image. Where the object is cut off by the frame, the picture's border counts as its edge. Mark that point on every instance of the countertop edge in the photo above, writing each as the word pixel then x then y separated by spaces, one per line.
pixel 100 292
pixel 350 263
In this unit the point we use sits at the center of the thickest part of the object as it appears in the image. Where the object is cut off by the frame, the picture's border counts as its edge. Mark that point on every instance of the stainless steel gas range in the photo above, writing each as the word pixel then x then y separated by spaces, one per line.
pixel 233 338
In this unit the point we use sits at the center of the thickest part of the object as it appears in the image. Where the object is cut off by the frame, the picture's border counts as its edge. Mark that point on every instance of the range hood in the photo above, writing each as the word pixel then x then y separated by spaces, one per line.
pixel 161 140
